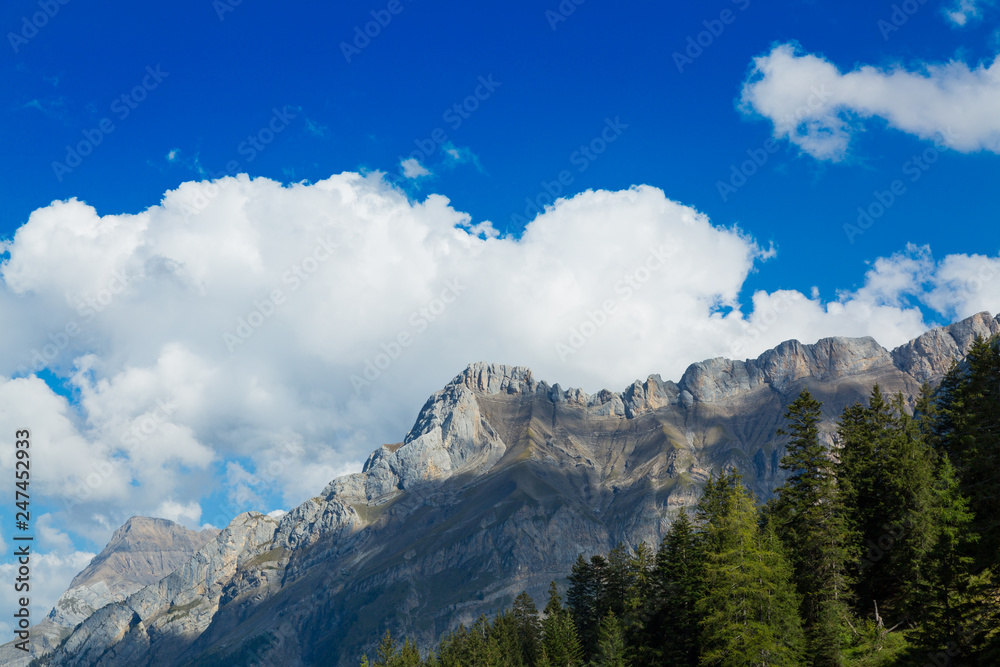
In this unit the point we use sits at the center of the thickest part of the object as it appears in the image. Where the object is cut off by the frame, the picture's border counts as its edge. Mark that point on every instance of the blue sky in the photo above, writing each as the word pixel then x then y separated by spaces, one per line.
pixel 557 87
pixel 488 106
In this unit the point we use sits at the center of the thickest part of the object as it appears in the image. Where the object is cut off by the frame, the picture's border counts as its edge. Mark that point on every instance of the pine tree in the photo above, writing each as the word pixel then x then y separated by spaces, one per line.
pixel 943 593
pixel 809 516
pixel 749 611
pixel 529 629
pixel 968 429
pixel 617 581
pixel 453 650
pixel 886 475
pixel 391 654
pixel 611 649
pixel 671 636
pixel 560 643
pixel 588 599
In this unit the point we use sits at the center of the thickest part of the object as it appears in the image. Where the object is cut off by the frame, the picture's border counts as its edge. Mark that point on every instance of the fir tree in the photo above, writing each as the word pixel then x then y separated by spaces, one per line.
pixel 611 650
pixel 560 643
pixel 809 516
pixel 529 629
pixel 943 593
pixel 968 429
pixel 671 637
pixel 886 475
pixel 588 599
pixel 749 611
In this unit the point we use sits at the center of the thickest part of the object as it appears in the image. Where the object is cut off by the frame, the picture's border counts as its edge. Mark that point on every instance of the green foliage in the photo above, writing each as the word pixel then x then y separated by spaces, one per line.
pixel 611 649
pixel 886 473
pixel 561 645
pixel 872 645
pixel 809 514
pixel 391 654
pixel 899 525
pixel 528 628
pixel 749 610
pixel 677 583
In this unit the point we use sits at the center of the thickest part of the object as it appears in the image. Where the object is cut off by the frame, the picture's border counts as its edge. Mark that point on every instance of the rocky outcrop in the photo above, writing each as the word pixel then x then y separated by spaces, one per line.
pixel 141 552
pixel 929 356
pixel 156 624
pixel 502 481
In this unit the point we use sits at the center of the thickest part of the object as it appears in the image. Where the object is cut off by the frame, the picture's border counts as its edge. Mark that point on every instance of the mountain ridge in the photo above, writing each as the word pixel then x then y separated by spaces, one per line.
pixel 142 551
pixel 499 484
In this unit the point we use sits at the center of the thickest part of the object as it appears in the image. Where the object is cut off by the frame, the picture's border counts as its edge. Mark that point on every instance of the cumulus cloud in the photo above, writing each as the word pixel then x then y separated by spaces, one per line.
pixel 186 513
pixel 817 107
pixel 254 340
pixel 413 169
pixel 963 11
pixel 50 576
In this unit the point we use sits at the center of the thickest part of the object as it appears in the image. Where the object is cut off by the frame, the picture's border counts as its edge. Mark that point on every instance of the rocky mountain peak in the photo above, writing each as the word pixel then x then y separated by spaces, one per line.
pixel 486 378
pixel 143 550
pixel 929 356
pixel 499 485
pixel 827 359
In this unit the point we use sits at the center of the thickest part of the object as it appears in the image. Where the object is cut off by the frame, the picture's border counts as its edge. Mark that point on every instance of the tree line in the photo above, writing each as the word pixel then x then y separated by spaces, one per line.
pixel 882 550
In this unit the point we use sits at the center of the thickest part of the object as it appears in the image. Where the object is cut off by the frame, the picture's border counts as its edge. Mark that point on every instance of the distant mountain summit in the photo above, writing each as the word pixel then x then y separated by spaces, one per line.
pixel 141 552
pixel 502 481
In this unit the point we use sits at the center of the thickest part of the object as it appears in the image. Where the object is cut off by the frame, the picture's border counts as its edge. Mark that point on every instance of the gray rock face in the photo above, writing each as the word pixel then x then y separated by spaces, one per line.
pixel 141 552
pixel 928 357
pixel 502 481
pixel 156 624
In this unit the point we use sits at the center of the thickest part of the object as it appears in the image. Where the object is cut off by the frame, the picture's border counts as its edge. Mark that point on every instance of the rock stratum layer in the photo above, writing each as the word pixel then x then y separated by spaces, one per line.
pixel 502 481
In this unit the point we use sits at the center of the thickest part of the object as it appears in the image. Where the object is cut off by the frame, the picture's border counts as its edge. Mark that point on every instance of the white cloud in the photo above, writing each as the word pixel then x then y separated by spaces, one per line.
pixel 185 513
pixel 818 108
pixel 413 169
pixel 963 11
pixel 50 537
pixel 49 578
pixel 163 404
pixel 172 154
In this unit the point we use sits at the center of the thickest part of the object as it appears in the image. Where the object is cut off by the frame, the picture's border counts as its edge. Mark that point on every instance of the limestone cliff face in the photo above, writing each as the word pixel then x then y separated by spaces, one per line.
pixel 154 625
pixel 928 357
pixel 502 481
pixel 141 552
